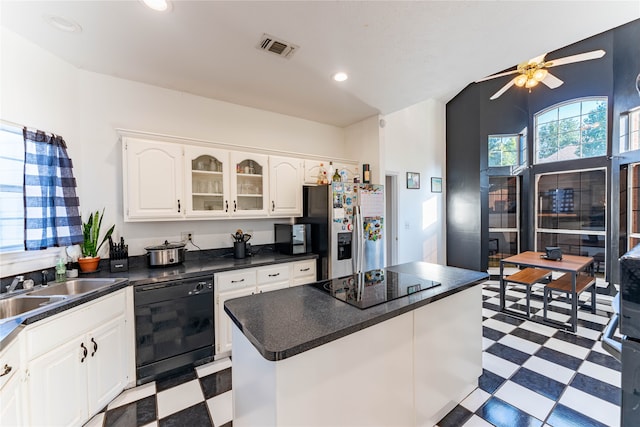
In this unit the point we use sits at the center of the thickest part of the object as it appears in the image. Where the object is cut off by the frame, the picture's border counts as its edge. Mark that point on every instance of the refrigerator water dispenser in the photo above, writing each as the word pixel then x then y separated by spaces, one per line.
pixel 344 246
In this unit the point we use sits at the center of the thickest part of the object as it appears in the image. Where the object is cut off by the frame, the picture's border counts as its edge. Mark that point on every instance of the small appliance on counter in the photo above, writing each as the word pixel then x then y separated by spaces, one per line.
pixel 292 239
pixel 165 254
pixel 118 256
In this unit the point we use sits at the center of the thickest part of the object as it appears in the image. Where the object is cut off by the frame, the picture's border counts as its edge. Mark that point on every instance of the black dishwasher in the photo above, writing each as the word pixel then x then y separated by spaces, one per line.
pixel 174 326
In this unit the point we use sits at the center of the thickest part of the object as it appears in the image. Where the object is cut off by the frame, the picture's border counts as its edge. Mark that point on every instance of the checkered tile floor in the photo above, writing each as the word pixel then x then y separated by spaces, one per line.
pixel 197 398
pixel 533 375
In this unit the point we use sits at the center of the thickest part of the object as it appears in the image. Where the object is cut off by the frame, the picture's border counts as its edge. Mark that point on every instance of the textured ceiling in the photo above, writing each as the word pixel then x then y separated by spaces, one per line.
pixel 396 53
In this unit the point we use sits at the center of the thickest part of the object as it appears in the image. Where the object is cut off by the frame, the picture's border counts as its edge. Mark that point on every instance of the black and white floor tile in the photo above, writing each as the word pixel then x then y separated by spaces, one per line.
pixel 196 397
pixel 533 375
pixel 537 375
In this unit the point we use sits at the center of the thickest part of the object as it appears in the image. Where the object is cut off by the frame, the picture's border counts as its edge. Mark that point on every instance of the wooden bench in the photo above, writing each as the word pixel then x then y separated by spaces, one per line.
pixel 563 284
pixel 528 277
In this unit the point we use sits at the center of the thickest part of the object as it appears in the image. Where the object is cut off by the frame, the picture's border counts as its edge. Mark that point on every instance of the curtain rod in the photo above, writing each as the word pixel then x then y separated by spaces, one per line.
pixel 10 123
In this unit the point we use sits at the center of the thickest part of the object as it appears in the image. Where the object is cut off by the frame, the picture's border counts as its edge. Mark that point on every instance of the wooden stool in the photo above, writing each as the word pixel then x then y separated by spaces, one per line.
pixel 528 277
pixel 563 284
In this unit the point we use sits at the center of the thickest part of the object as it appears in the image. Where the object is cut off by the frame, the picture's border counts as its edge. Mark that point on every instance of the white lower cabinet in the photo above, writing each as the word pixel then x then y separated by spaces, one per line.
pixel 57 386
pixel 106 364
pixel 240 283
pixel 76 362
pixel 223 322
pixel 304 272
pixel 11 386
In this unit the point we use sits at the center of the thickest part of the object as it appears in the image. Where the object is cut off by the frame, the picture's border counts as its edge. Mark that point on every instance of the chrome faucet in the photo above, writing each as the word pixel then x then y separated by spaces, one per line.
pixel 14 284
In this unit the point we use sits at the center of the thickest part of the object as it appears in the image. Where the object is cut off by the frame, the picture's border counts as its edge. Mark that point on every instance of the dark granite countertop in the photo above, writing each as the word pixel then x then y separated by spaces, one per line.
pixel 196 264
pixel 283 323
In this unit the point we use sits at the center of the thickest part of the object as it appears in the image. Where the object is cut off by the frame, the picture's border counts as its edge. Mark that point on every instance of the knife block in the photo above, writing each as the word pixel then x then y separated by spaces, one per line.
pixel 117 265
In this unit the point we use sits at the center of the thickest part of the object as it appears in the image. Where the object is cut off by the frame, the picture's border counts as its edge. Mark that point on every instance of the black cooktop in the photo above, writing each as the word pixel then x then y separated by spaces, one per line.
pixel 374 287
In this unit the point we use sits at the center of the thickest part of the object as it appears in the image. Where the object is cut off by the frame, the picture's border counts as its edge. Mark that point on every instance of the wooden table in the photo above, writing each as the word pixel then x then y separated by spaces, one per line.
pixel 571 264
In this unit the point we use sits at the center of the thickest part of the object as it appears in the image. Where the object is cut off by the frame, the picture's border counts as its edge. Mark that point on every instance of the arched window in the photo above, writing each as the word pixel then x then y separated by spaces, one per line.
pixel 572 130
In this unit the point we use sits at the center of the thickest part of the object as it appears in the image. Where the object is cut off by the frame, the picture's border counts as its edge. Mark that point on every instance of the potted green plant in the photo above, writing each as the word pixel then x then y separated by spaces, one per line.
pixel 91 244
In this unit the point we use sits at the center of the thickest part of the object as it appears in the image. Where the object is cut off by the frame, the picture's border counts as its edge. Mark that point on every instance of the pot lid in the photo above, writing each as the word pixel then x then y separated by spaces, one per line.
pixel 165 245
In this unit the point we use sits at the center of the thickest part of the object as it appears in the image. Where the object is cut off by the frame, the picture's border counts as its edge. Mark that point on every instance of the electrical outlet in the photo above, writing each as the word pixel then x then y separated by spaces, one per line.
pixel 186 236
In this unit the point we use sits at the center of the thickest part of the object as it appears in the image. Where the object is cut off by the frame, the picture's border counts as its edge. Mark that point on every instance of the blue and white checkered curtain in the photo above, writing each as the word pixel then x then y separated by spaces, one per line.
pixel 51 207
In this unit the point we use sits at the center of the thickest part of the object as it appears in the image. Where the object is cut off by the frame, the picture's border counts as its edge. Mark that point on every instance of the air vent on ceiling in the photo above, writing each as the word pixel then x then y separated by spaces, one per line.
pixel 276 46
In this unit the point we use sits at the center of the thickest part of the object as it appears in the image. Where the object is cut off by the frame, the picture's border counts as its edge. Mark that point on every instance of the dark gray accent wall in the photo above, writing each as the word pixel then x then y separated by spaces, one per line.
pixel 471 117
pixel 464 219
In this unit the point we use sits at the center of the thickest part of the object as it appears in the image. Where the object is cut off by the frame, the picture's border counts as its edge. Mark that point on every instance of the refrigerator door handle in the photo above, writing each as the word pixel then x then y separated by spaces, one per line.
pixel 358 237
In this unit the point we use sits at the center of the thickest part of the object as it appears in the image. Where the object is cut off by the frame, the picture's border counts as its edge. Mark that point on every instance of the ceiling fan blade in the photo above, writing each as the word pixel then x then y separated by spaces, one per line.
pixel 595 54
pixel 504 89
pixel 552 81
pixel 494 76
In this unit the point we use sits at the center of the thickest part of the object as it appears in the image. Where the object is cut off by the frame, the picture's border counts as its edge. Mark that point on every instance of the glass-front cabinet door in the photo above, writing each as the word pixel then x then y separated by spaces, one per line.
pixel 208 184
pixel 249 184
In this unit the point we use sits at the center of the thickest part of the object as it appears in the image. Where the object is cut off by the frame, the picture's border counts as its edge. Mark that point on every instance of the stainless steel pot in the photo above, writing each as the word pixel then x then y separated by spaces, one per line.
pixel 165 254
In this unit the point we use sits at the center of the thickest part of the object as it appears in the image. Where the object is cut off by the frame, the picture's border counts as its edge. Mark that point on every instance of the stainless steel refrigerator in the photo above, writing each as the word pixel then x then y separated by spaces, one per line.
pixel 627 350
pixel 347 227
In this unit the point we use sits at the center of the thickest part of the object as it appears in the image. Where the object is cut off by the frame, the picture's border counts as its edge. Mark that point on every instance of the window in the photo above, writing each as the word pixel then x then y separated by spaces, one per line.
pixel 633 208
pixel 39 208
pixel 572 130
pixel 507 150
pixel 504 213
pixel 630 131
pixel 11 189
pixel 571 212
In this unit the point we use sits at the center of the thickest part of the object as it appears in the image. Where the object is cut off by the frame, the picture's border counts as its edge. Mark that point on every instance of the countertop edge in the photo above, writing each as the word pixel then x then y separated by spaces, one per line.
pixel 275 355
pixel 11 328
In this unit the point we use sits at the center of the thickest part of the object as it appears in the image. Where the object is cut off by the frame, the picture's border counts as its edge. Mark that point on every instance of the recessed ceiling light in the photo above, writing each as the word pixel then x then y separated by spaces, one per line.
pixel 158 5
pixel 340 76
pixel 63 24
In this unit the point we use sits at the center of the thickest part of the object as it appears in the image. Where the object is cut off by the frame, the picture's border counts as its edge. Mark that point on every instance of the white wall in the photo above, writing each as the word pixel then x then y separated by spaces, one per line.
pixel 414 141
pixel 363 144
pixel 42 91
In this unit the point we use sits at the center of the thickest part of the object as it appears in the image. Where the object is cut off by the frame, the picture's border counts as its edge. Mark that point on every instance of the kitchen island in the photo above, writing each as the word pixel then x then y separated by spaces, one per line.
pixel 303 357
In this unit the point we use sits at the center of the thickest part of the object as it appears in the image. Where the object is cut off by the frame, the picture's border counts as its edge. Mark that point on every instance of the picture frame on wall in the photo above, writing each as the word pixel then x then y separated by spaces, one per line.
pixel 413 180
pixel 436 184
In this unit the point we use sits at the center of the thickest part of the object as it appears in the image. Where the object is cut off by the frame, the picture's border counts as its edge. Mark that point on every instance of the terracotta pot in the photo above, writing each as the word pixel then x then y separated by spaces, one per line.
pixel 87 265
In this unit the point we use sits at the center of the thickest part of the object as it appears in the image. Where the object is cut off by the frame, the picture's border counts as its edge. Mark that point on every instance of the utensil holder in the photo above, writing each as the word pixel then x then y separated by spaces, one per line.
pixel 239 250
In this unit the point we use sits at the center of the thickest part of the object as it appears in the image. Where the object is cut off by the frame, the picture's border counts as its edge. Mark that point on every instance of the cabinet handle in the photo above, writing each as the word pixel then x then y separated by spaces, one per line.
pixel 84 352
pixel 237 281
pixel 274 275
pixel 234 205
pixel 226 206
pixel 6 370
pixel 178 205
pixel 273 206
pixel 305 269
pixel 95 347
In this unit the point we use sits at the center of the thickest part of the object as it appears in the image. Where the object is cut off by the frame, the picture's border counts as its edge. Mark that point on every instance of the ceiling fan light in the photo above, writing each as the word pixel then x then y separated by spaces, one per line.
pixel 540 74
pixel 520 80
pixel 530 83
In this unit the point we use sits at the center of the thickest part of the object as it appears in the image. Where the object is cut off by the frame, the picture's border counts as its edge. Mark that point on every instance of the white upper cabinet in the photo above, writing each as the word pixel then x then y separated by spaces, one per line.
pixel 285 189
pixel 153 180
pixel 348 170
pixel 249 183
pixel 207 182
pixel 312 169
pixel 164 180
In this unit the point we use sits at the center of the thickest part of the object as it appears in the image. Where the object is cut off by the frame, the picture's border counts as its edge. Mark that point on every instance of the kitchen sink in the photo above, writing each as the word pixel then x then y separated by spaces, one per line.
pixel 74 287
pixel 16 306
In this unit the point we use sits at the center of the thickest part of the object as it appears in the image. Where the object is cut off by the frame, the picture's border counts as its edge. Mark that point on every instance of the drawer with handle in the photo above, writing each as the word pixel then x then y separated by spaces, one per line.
pixel 277 273
pixel 235 279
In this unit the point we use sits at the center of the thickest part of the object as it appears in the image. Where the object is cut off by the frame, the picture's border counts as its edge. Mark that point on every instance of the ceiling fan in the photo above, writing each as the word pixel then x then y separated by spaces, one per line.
pixel 534 71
